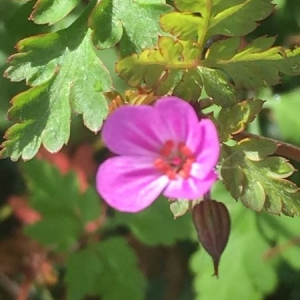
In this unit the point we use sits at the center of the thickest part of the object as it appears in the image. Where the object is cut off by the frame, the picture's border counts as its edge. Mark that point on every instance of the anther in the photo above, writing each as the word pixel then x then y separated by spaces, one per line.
pixel 176 161
pixel 165 168
pixel 184 150
pixel 167 149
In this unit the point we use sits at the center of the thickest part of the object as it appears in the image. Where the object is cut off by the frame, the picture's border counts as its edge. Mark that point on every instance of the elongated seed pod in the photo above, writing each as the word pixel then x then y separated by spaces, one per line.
pixel 212 222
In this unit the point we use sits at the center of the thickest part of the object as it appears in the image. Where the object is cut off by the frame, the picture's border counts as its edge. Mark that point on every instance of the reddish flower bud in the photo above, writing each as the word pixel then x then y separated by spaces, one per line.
pixel 212 222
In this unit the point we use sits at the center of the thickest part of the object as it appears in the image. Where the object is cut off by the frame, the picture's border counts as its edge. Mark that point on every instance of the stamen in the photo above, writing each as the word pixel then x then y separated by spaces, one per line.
pixel 165 168
pixel 186 168
pixel 174 163
pixel 160 164
pixel 171 174
pixel 184 149
pixel 166 150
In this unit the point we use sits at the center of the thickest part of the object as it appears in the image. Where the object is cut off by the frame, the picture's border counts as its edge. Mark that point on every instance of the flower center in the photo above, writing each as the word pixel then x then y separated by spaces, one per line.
pixel 175 160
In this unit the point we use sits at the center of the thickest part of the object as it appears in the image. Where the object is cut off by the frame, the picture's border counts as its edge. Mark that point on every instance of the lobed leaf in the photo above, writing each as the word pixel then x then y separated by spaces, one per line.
pixel 49 11
pixel 132 23
pixel 234 119
pixel 255 65
pixel 65 211
pixel 258 180
pixel 66 76
pixel 256 149
pixel 190 86
pixel 217 86
pixel 175 65
pixel 199 20
pixel 107 28
pixel 91 271
pixel 151 64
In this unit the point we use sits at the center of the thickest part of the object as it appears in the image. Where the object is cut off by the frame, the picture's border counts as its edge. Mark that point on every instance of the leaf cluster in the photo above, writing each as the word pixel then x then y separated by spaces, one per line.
pixel 66 76
pixel 65 211
pixel 207 41
pixel 200 51
pixel 258 179
pixel 65 214
pixel 64 72
pixel 194 50
pixel 100 265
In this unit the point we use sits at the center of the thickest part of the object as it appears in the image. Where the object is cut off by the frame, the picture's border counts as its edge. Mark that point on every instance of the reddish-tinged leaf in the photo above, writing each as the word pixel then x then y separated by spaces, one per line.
pixel 22 210
pixel 81 162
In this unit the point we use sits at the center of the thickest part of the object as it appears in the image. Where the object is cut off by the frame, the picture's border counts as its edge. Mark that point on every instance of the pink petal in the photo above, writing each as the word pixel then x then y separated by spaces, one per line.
pixel 208 149
pixel 191 188
pixel 133 130
pixel 179 116
pixel 129 184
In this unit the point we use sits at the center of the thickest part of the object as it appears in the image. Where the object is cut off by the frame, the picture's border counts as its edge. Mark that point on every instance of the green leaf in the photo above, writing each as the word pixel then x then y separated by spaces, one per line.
pixel 64 210
pixel 49 11
pixel 190 86
pixel 258 180
pixel 179 207
pixel 83 271
pixel 92 271
pixel 107 28
pixel 59 232
pixel 164 68
pixel 217 87
pixel 237 178
pixel 234 119
pixel 254 195
pixel 151 64
pixel 156 225
pixel 243 273
pixel 112 19
pixel 254 65
pixel 66 74
pixel 258 149
pixel 200 20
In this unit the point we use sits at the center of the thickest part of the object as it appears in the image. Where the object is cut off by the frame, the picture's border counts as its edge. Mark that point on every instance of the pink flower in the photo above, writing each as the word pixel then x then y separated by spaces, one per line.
pixel 161 149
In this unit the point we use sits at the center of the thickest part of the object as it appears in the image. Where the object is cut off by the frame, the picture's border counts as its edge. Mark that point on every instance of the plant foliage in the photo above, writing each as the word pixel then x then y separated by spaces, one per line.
pixel 207 52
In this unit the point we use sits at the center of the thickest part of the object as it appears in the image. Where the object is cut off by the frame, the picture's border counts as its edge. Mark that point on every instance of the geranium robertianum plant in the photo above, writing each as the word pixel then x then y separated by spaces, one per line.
pixel 172 55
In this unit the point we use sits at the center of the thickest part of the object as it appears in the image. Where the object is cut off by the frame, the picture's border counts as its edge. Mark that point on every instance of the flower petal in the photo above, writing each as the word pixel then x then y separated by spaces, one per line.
pixel 129 184
pixel 179 117
pixel 191 188
pixel 133 130
pixel 207 146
